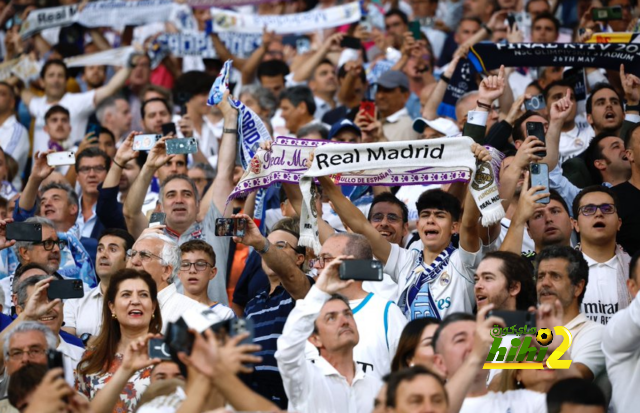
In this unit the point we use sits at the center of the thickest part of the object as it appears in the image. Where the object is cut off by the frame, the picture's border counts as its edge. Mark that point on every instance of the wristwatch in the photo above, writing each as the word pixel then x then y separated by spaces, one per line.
pixel 267 244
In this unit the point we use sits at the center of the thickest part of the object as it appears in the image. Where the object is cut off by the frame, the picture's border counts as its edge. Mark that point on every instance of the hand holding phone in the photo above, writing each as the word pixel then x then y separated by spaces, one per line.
pixel 24 231
pixel 369 108
pixel 539 176
pixel 361 270
pixel 231 227
pixel 606 13
pixel 145 142
pixel 349 42
pixel 61 158
pixel 65 289
pixel 537 129
pixel 157 218
pixel 518 319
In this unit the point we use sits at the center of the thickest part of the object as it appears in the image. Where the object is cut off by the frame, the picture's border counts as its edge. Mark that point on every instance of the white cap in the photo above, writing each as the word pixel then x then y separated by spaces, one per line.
pixel 442 125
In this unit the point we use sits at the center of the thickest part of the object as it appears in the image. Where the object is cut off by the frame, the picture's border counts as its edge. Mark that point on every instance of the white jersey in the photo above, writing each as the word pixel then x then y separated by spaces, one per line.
pixel 600 301
pixel 380 323
pixel 445 286
pixel 513 401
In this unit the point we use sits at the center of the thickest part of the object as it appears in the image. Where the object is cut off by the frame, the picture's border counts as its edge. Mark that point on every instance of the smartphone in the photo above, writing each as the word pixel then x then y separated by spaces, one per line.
pixel 368 107
pixel 537 129
pixel 576 76
pixel 55 360
pixel 607 13
pixel 539 176
pixel 518 319
pixel 168 128
pixel 361 270
pixel 349 42
pixel 94 129
pixel 365 23
pixel 231 227
pixel 414 28
pixel 535 103
pixel 145 142
pixel 303 45
pixel 158 349
pixel 157 218
pixel 179 338
pixel 65 289
pixel 61 158
pixel 511 20
pixel 24 231
pixel 182 146
pixel 234 327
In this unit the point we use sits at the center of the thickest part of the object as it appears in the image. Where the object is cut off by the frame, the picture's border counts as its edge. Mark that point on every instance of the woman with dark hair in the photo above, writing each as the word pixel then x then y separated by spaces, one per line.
pixel 414 347
pixel 130 316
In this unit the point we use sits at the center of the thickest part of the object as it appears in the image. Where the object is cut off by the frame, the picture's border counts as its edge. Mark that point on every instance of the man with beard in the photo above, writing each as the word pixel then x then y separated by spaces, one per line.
pixel 563 274
pixel 83 317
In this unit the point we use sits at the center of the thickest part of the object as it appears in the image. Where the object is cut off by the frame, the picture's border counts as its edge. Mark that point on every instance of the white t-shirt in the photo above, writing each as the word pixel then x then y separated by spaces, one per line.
pixel 600 301
pixel 380 323
pixel 574 142
pixel 80 106
pixel 451 288
pixel 513 401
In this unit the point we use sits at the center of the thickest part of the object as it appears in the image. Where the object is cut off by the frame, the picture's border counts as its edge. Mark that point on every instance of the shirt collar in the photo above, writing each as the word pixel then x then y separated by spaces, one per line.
pixel 396 116
pixel 10 121
pixel 591 262
pixel 328 370
pixel 577 321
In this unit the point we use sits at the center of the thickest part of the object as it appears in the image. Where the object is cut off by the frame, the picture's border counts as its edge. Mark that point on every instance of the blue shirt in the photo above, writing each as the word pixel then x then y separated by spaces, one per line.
pixel 269 312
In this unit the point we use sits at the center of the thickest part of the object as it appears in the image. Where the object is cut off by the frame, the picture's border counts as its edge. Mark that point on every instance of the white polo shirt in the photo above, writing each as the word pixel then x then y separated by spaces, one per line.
pixel 85 314
pixel 80 106
pixel 316 386
pixel 520 401
pixel 173 305
pixel 622 356
pixel 451 290
pixel 380 323
pixel 600 301
pixel 71 356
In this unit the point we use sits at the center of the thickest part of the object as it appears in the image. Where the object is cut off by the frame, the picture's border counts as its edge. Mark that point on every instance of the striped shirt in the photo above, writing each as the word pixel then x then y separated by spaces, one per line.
pixel 269 312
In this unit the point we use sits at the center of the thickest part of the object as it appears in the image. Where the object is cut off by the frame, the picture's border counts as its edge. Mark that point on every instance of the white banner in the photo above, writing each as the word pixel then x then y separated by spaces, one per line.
pixel 200 44
pixel 98 14
pixel 229 21
pixel 111 57
pixel 6 67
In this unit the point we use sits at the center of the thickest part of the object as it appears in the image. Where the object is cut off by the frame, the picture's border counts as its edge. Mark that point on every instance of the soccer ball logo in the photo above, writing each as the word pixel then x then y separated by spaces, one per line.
pixel 544 337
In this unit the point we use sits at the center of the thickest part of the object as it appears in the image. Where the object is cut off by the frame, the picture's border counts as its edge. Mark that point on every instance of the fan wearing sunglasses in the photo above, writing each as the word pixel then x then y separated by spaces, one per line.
pixel 597 222
pixel 197 268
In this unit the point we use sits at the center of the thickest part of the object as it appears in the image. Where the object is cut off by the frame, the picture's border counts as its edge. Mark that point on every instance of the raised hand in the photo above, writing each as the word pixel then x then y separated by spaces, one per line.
pixel 158 154
pixel 631 85
pixel 3 234
pixel 38 304
pixel 90 140
pixel 492 87
pixel 482 337
pixel 329 280
pixel 527 204
pixel 51 394
pixel 125 152
pixel 527 152
pixel 41 169
pixel 234 356
pixel 516 109
pixel 561 109
pixel 228 111
pixel 136 355
pixel 252 235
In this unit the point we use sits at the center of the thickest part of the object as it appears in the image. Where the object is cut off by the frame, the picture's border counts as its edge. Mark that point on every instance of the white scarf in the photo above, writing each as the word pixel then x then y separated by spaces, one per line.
pixel 442 160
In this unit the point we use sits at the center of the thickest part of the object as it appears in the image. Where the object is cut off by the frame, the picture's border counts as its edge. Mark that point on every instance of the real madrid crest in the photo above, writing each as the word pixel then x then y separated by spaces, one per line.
pixel 445 279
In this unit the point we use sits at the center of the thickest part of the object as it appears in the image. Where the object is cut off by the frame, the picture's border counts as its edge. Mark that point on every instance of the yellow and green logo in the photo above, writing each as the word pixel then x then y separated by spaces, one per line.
pixel 522 349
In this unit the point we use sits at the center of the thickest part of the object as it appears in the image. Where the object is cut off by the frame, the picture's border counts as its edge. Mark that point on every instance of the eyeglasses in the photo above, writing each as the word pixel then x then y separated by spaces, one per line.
pixel 199 265
pixel 283 244
pixel 145 256
pixel 96 169
pixel 48 244
pixel 591 209
pixel 17 355
pixel 322 261
pixel 391 218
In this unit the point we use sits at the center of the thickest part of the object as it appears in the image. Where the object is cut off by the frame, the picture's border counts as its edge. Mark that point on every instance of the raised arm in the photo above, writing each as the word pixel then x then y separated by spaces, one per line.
pixel 41 170
pixel 294 195
pixel 293 279
pixel 132 209
pixel 124 154
pixel 306 68
pixel 469 227
pixel 528 208
pixel 512 174
pixel 557 116
pixel 251 64
pixel 113 86
pixel 430 110
pixel 223 183
pixel 355 219
pixel 224 54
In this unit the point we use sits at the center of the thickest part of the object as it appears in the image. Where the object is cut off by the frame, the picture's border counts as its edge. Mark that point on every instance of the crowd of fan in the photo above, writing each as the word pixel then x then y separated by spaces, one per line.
pixel 416 341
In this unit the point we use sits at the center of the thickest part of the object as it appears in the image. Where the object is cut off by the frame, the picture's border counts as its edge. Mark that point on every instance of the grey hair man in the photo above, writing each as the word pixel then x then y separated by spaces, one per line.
pixel 114 113
pixel 45 252
pixel 259 99
pixel 159 255
pixel 27 343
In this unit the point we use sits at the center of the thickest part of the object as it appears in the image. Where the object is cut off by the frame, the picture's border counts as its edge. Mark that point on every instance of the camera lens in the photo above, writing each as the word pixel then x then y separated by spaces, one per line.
pixel 534 168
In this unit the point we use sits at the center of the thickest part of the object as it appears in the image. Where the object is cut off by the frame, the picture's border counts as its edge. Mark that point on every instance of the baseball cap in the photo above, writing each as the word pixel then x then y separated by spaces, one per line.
pixel 442 125
pixel 339 126
pixel 392 79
